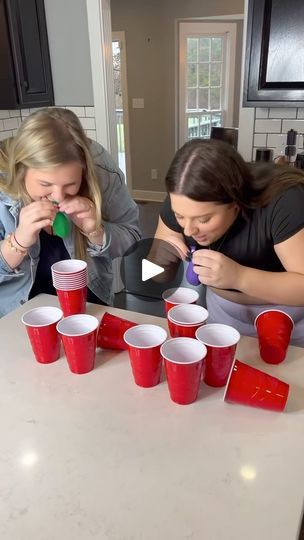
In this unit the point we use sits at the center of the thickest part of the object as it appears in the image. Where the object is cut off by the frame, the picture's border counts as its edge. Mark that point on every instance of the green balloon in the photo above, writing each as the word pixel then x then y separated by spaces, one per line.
pixel 61 225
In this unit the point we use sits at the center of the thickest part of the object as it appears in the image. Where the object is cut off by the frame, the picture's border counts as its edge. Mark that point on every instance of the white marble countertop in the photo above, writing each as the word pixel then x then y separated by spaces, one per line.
pixel 94 456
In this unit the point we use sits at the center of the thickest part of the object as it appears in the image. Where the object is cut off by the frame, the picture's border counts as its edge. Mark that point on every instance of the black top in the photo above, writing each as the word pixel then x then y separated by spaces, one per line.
pixel 250 240
pixel 52 249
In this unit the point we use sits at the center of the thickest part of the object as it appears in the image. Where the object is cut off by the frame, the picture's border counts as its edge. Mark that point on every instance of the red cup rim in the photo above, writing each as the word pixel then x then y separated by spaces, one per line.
pixel 83 265
pixel 193 307
pixel 175 289
pixel 83 316
pixel 57 279
pixel 278 310
pixel 180 339
pixel 141 327
pixel 69 274
pixel 68 289
pixel 229 377
pixel 237 335
pixel 56 318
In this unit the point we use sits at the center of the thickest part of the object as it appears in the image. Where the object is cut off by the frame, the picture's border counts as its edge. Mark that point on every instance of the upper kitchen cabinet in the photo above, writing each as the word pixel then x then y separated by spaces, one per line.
pixel 274 63
pixel 25 69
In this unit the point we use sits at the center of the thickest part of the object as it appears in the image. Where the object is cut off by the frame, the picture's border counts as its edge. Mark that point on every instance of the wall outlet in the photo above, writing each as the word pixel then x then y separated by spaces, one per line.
pixel 138 103
pixel 154 174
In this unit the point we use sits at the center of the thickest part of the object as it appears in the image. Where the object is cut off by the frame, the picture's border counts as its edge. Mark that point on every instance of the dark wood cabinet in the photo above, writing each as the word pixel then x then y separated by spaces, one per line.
pixel 25 68
pixel 274 62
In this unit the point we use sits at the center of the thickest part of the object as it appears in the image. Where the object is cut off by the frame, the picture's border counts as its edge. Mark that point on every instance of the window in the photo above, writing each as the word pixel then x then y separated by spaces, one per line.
pixel 206 77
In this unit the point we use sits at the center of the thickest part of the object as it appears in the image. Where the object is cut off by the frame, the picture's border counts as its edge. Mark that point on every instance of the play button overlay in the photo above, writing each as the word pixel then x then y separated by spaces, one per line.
pixel 150 267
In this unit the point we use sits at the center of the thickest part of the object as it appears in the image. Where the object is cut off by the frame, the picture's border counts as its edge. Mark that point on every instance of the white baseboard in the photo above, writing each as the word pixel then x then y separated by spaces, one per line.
pixel 155 196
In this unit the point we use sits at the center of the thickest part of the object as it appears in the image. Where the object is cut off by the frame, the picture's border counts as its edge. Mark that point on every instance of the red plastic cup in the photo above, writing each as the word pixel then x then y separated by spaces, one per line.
pixel 183 363
pixel 144 341
pixel 185 319
pixel 247 385
pixel 221 341
pixel 180 295
pixel 79 336
pixel 274 329
pixel 72 302
pixel 111 332
pixel 40 325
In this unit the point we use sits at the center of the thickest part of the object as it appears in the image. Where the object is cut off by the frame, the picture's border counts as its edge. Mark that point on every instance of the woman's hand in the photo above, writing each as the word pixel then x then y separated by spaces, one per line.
pixel 81 211
pixel 34 217
pixel 216 270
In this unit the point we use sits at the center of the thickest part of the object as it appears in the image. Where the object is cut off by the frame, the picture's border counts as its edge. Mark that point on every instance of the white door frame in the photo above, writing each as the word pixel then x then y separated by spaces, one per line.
pixel 235 17
pixel 120 36
pixel 197 29
pixel 100 38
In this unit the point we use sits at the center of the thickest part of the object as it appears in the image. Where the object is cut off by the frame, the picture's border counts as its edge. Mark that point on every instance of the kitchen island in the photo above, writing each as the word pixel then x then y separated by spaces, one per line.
pixel 95 457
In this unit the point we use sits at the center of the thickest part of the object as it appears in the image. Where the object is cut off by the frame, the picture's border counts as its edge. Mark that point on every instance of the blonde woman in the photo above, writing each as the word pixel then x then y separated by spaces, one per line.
pixel 51 159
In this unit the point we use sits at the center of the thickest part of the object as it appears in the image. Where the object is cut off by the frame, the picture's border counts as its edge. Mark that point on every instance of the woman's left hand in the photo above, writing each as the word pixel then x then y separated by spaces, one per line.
pixel 216 270
pixel 81 211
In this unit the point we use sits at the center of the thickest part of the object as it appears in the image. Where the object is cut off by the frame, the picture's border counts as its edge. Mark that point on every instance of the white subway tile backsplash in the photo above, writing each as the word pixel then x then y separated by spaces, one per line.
pixel 34 109
pixel 275 140
pixel 261 113
pixel 10 123
pixel 10 120
pixel 259 139
pixel 280 112
pixel 5 135
pixel 4 114
pixel 297 125
pixel 267 126
pixel 14 114
pixel 90 111
pixel 91 133
pixel 25 112
pixel 87 123
pixel 79 111
pixel 271 126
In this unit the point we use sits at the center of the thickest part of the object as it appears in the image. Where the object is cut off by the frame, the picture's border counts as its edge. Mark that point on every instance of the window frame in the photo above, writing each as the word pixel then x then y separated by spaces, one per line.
pixel 199 29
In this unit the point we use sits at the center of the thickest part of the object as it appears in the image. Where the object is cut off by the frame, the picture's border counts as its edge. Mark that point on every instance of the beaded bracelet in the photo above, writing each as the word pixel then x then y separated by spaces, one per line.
pixel 93 233
pixel 15 248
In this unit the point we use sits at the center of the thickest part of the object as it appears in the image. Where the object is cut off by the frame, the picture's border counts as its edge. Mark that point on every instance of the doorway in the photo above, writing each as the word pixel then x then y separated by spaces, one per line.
pixel 121 104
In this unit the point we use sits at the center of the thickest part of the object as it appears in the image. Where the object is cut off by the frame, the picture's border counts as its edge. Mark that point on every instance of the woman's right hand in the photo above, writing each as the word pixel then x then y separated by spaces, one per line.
pixel 34 217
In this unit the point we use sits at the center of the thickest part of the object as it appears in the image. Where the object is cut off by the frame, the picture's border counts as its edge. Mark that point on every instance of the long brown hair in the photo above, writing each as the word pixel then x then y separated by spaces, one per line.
pixel 212 170
pixel 46 139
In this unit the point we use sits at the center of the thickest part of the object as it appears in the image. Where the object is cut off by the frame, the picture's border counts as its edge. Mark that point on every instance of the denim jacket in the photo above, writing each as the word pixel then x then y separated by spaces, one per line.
pixel 120 219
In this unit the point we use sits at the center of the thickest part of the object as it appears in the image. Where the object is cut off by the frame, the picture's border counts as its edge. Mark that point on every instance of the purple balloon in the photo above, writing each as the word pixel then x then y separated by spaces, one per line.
pixel 191 276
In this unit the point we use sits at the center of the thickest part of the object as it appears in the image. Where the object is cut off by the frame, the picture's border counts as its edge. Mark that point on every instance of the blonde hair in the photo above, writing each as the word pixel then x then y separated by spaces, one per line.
pixel 46 139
